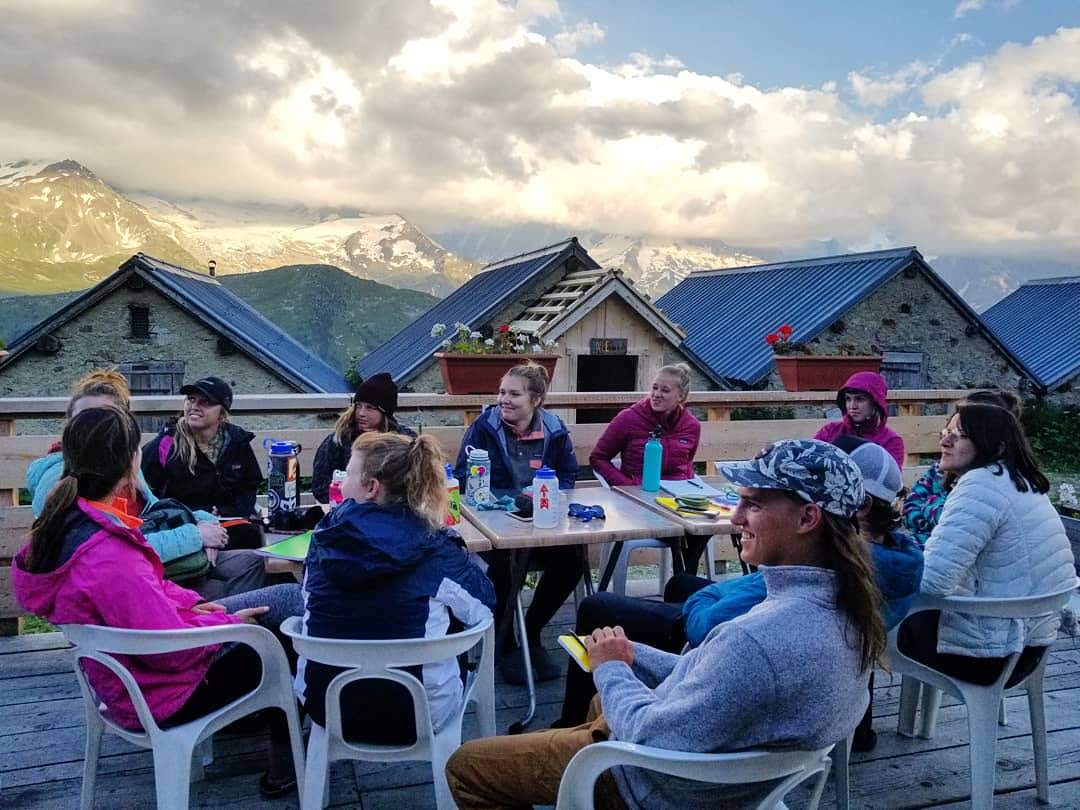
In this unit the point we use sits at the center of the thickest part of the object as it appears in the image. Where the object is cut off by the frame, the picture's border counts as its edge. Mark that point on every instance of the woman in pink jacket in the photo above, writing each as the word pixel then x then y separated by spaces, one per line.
pixel 87 563
pixel 663 412
pixel 863 400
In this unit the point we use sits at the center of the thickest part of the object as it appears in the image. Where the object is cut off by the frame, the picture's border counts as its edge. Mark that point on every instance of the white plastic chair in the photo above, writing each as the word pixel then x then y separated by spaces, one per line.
pixel 381 660
pixel 173 747
pixel 618 577
pixel 983 702
pixel 792 767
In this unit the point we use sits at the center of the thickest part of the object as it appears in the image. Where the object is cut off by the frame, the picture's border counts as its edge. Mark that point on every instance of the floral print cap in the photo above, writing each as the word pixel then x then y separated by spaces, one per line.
pixel 815 471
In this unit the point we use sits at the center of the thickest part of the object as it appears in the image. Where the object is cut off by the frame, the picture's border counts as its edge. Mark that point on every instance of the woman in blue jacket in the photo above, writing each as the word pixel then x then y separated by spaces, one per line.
pixel 520 437
pixel 381 566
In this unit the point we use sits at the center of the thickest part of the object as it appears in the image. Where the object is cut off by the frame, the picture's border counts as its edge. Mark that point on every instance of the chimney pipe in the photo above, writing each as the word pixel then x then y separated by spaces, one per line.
pixel 212 267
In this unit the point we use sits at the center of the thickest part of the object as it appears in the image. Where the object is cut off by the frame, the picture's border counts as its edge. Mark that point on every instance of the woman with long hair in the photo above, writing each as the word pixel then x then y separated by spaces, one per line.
pixel 221 574
pixel 792 673
pixel 923 505
pixel 381 565
pixel 520 437
pixel 371 409
pixel 88 563
pixel 206 462
pixel 998 536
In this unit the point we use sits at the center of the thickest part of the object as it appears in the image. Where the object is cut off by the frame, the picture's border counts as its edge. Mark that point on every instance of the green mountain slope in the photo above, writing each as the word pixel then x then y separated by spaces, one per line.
pixel 333 313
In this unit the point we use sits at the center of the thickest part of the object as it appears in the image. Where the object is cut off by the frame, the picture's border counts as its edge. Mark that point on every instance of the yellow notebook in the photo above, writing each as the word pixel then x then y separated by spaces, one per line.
pixel 575 647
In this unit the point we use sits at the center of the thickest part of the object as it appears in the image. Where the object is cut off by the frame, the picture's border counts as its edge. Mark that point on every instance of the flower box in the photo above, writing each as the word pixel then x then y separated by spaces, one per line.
pixel 481 373
pixel 800 372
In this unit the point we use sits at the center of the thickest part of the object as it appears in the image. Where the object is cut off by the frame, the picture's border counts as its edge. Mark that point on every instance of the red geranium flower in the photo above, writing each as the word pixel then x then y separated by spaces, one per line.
pixel 785 331
pixel 504 328
pixel 772 338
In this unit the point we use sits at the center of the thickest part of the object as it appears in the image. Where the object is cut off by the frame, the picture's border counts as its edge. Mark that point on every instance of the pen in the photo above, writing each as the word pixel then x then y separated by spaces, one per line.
pixel 693 483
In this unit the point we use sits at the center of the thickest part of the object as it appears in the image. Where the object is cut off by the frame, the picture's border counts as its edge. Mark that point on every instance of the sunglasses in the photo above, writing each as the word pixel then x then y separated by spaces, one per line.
pixel 585 513
pixel 952 435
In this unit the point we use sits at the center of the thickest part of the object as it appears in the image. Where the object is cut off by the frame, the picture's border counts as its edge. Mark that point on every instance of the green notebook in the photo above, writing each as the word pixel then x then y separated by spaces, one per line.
pixel 291 548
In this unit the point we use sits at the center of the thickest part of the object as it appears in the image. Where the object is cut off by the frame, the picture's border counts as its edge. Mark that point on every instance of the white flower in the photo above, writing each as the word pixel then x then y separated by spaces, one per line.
pixel 1067 495
pixel 438 330
pixel 522 337
pixel 461 328
pixel 549 343
pixel 446 344
pixel 489 342
pixel 475 335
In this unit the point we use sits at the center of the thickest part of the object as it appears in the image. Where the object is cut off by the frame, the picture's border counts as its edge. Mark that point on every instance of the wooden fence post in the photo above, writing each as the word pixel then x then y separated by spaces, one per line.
pixel 717 414
pixel 8 497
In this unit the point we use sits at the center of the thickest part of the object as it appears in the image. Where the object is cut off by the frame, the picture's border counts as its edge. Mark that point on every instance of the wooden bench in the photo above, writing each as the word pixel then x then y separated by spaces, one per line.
pixel 719 440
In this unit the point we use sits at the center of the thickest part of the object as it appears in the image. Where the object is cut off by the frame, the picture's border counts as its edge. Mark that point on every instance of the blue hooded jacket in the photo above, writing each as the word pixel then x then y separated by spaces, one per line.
pixel 486 433
pixel 378 572
pixel 897 569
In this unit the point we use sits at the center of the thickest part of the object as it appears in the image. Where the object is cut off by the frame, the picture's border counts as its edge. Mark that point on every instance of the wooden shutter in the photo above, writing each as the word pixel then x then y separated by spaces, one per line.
pixel 153 378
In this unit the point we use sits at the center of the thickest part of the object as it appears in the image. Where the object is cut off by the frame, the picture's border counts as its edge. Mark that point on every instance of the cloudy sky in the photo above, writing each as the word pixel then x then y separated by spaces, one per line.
pixel 952 125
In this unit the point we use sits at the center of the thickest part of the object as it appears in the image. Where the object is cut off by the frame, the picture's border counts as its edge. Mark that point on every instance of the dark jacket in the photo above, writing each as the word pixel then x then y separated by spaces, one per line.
pixel 230 484
pixel 379 572
pixel 334 456
pixel 487 433
pixel 626 436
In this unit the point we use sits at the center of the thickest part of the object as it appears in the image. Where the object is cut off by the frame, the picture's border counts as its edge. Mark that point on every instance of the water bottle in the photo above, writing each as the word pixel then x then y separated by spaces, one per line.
pixel 453 492
pixel 478 482
pixel 545 489
pixel 654 458
pixel 335 487
pixel 283 474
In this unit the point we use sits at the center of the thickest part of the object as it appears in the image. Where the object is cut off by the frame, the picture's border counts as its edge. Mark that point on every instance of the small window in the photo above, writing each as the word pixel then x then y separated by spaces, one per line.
pixel 140 321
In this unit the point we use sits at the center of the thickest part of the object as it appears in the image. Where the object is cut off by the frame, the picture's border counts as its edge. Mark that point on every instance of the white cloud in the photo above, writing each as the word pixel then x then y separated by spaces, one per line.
pixel 965 6
pixel 466 111
pixel 584 33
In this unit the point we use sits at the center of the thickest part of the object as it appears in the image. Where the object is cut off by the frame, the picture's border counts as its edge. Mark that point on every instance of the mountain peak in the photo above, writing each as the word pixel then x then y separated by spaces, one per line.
pixel 70 166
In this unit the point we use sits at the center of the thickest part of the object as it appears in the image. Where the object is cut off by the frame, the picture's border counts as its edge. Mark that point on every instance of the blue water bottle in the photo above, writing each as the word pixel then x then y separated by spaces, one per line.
pixel 654 458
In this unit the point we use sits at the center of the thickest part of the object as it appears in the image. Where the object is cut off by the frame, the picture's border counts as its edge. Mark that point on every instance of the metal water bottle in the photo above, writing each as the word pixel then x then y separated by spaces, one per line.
pixel 545 488
pixel 478 482
pixel 283 475
pixel 654 459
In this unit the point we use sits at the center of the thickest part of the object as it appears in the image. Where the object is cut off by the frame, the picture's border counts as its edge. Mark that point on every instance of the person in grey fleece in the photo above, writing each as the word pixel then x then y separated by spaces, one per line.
pixel 790 674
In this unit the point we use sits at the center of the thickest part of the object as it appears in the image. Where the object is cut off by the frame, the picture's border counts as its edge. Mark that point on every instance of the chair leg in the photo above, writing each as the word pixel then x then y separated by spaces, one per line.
pixel 931 702
pixel 841 754
pixel 172 775
pixel 665 572
pixel 618 579
pixel 296 744
pixel 443 745
pixel 982 728
pixel 1037 710
pixel 1003 717
pixel 94 729
pixel 316 771
pixel 910 689
pixel 710 560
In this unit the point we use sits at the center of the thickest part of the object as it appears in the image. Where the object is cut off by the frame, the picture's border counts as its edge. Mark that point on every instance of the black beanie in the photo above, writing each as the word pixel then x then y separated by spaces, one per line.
pixel 378 390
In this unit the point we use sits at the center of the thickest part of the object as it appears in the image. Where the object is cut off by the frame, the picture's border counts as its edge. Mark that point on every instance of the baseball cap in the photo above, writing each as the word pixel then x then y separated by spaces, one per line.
pixel 817 472
pixel 214 389
pixel 880 472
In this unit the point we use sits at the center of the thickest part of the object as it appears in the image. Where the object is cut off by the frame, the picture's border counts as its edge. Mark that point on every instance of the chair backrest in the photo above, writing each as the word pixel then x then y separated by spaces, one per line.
pixel 1021 607
pixel 745 767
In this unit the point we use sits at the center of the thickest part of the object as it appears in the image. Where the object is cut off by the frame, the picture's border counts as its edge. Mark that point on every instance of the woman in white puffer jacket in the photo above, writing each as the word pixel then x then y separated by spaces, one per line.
pixel 998 536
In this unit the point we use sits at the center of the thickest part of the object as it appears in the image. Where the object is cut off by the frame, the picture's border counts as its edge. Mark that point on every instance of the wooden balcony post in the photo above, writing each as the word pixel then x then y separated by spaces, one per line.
pixel 718 414
pixel 911 408
pixel 8 497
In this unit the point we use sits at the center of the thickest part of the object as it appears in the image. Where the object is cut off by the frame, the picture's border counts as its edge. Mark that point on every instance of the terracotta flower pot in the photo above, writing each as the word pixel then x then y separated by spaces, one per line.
pixel 808 372
pixel 481 373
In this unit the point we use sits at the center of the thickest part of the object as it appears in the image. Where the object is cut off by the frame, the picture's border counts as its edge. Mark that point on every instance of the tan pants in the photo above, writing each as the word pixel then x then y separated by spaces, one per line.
pixel 522 770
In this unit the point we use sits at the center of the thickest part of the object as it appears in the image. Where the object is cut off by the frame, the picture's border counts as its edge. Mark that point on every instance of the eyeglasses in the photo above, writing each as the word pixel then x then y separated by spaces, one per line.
pixel 586 513
pixel 950 435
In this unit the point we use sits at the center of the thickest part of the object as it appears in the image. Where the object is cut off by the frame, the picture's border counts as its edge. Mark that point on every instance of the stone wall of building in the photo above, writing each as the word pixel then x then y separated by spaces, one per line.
pixel 1067 394
pixel 101 336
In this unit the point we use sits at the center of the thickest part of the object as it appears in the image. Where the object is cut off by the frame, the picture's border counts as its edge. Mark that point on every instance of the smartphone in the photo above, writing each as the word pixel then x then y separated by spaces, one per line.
pixel 575 648
pixel 516 515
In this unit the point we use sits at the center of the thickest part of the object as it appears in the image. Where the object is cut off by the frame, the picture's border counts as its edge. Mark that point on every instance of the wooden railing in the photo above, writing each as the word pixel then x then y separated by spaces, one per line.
pixel 721 438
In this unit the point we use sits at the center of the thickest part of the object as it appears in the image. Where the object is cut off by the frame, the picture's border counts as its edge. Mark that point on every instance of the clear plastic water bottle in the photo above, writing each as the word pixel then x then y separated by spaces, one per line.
pixel 545 488
pixel 478 482
pixel 654 458
pixel 335 495
pixel 453 491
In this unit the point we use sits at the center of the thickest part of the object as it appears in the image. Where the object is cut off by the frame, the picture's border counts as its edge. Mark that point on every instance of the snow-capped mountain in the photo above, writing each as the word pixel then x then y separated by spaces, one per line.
pixel 61 227
pixel 243 238
pixel 658 265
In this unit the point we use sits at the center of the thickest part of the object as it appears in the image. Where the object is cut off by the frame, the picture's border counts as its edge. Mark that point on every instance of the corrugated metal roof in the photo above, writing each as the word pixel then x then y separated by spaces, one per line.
pixel 1040 323
pixel 727 313
pixel 472 303
pixel 245 326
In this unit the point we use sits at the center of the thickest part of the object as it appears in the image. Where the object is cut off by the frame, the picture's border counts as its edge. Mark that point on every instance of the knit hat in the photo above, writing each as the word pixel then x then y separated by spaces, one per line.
pixel 378 390
pixel 880 472
pixel 817 472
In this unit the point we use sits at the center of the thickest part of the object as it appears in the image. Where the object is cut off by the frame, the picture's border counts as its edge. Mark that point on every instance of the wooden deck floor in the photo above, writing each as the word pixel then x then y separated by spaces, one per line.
pixel 41 729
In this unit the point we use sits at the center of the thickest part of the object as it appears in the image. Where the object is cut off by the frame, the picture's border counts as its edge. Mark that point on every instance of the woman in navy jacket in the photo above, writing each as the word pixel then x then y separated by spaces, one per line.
pixel 381 566
pixel 520 437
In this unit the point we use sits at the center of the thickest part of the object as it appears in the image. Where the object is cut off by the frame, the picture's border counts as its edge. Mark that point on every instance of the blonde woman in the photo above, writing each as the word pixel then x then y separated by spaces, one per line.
pixel 372 409
pixel 204 461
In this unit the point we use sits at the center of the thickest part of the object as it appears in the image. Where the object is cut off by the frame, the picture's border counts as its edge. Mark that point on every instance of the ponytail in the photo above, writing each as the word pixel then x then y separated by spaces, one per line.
pixel 409 470
pixel 45 535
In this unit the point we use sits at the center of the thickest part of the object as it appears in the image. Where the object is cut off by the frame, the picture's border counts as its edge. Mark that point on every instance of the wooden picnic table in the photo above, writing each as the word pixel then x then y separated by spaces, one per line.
pixel 696 530
pixel 624 520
